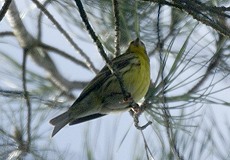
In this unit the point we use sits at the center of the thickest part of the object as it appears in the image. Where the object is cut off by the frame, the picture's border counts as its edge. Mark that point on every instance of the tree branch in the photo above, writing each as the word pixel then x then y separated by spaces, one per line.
pixel 4 9
pixel 100 48
pixel 167 116
pixel 209 15
pixel 28 104
pixel 39 55
pixel 70 40
pixel 117 27
pixel 63 54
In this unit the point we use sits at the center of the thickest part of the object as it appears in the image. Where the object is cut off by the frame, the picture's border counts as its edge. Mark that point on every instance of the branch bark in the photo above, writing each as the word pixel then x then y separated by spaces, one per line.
pixel 38 54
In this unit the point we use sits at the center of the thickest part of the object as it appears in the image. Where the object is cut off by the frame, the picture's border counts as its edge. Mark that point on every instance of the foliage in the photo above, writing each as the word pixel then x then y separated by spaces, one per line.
pixel 187 103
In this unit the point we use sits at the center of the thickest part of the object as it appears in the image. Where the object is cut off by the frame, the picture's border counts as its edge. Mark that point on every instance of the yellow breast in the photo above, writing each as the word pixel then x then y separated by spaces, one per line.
pixel 138 79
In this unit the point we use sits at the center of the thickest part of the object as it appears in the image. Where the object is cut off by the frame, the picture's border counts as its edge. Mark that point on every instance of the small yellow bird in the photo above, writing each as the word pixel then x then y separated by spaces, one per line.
pixel 104 94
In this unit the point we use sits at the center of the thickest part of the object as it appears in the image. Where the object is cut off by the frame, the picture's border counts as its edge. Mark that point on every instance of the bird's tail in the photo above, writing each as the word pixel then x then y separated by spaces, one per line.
pixel 59 122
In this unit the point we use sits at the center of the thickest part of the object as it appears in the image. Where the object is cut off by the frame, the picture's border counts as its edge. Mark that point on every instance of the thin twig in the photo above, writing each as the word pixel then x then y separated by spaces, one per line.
pixel 136 123
pixel 166 112
pixel 6 33
pixel 20 94
pixel 62 53
pixel 147 149
pixel 127 96
pixel 101 50
pixel 4 9
pixel 117 27
pixel 67 36
pixel 39 24
pixel 28 104
pixel 214 61
pixel 41 57
pixel 135 112
pixel 201 12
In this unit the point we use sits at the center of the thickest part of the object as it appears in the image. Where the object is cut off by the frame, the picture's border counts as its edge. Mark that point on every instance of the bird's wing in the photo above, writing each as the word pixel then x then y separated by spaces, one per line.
pixel 86 118
pixel 118 62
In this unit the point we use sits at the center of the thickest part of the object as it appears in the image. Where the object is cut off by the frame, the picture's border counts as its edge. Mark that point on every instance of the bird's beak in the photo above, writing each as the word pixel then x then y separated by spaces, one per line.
pixel 137 42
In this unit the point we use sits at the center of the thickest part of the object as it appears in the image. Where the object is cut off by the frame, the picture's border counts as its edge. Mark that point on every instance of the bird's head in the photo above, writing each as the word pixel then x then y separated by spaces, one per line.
pixel 137 46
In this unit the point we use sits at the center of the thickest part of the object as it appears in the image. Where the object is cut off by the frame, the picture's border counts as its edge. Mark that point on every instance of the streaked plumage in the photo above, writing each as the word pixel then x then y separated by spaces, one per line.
pixel 103 94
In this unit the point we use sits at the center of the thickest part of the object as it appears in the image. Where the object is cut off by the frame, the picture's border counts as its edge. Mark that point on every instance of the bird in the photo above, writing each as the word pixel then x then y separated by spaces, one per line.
pixel 103 94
